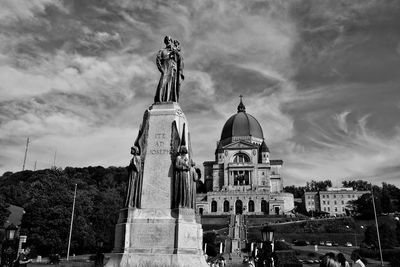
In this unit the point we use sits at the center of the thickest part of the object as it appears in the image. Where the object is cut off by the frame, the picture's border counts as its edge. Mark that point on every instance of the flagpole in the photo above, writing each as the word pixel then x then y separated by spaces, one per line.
pixel 72 221
pixel 376 223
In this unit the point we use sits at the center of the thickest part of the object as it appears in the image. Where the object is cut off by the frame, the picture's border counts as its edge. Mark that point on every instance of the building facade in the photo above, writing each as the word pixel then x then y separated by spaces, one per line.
pixel 243 179
pixel 334 201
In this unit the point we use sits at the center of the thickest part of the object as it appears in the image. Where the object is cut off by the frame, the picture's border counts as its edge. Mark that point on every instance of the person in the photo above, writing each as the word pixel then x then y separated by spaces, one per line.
pixel 23 258
pixel 329 261
pixel 357 260
pixel 342 260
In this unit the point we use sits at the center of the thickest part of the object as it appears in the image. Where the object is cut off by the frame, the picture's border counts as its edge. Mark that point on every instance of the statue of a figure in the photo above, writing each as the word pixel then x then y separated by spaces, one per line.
pixel 170 63
pixel 194 177
pixel 182 180
pixel 132 198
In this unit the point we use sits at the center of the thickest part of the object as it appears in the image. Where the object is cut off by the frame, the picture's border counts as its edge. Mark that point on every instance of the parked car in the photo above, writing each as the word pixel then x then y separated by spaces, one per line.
pixel 328 243
pixel 300 243
pixel 335 244
pixel 321 243
pixel 348 244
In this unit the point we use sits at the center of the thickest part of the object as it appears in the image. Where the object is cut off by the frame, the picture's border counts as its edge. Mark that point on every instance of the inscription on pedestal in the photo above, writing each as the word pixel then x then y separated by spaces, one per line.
pixel 159 144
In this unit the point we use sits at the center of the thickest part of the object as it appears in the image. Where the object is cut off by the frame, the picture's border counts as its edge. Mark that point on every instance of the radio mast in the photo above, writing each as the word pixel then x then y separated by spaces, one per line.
pixel 26 152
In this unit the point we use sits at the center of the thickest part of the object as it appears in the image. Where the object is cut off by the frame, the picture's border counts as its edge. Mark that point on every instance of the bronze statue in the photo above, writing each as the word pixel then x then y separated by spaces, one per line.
pixel 182 180
pixel 132 198
pixel 170 63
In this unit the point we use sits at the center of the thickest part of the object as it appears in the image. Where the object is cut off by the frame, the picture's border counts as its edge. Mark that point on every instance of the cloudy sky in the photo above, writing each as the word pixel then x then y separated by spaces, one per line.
pixel 322 78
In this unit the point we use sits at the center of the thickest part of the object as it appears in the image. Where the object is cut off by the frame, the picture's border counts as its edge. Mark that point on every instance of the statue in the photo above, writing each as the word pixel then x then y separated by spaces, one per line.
pixel 132 198
pixel 182 180
pixel 170 63
pixel 195 175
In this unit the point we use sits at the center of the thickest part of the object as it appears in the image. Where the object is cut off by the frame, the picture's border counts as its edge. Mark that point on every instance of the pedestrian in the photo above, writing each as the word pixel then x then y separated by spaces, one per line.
pixel 329 261
pixel 342 260
pixel 23 258
pixel 357 260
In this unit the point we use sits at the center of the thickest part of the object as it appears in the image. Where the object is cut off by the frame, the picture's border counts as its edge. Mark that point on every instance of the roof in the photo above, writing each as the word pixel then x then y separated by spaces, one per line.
pixel 242 124
pixel 263 147
pixel 276 162
pixel 15 216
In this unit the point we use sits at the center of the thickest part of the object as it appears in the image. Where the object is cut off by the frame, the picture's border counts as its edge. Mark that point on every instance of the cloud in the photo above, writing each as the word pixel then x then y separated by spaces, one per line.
pixel 341 120
pixel 320 77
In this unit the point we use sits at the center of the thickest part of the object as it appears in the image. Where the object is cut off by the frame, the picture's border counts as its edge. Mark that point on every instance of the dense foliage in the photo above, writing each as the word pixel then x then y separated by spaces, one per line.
pixel 47 197
pixel 3 210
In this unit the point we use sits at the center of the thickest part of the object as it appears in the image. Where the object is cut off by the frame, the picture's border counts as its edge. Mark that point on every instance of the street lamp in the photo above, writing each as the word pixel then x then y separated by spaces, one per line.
pixel 11 231
pixel 9 246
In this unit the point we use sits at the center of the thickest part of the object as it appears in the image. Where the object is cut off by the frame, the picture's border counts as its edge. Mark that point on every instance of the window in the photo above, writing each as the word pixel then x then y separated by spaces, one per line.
pixel 329 209
pixel 241 158
pixel 263 205
pixel 334 196
pixel 335 208
pixel 328 202
pixel 324 208
pixel 323 196
pixel 323 202
pixel 335 202
pixel 348 196
pixel 226 206
pixel 213 206
pixel 342 202
pixel 251 206
pixel 343 209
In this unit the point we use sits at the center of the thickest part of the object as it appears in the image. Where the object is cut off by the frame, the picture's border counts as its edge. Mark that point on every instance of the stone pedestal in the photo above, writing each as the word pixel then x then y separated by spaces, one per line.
pixel 155 234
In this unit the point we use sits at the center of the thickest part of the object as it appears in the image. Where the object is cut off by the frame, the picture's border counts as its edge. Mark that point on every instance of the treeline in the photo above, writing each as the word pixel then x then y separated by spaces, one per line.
pixel 47 197
pixel 387 196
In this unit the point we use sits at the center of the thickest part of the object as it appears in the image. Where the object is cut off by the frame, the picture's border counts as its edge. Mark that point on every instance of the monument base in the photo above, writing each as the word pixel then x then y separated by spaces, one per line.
pixel 154 237
pixel 156 260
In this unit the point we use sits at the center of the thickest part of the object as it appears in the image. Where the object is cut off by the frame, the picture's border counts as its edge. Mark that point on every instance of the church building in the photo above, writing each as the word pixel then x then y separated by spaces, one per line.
pixel 243 179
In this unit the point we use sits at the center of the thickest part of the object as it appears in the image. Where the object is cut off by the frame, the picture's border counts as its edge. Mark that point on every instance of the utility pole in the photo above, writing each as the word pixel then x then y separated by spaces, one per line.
pixel 26 152
pixel 376 223
pixel 72 221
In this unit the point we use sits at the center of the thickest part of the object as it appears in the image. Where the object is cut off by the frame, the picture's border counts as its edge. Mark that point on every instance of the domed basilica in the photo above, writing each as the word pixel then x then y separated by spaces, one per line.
pixel 243 179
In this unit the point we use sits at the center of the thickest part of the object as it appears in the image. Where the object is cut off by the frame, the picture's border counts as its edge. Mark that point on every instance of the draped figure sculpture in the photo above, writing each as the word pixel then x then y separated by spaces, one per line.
pixel 182 180
pixel 169 62
pixel 194 177
pixel 132 199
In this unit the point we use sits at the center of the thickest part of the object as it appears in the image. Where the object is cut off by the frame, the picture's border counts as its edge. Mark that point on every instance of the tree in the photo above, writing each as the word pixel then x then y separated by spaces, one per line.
pixel 318 185
pixel 359 185
pixel 47 195
pixel 386 233
pixel 4 212
pixel 297 191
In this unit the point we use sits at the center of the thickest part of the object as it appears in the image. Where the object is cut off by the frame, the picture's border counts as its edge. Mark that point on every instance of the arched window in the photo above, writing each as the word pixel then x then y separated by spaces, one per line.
pixel 214 206
pixel 226 206
pixel 264 206
pixel 251 206
pixel 241 158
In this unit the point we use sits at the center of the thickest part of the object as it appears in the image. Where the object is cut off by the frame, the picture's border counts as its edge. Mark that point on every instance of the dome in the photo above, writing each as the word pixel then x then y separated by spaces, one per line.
pixel 241 124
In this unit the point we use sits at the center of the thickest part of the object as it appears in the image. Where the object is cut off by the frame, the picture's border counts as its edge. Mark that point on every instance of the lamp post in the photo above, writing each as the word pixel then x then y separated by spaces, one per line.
pixel 267 235
pixel 9 247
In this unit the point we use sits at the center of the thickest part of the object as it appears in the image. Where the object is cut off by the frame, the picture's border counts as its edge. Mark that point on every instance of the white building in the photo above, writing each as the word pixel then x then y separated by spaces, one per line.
pixel 334 200
pixel 243 179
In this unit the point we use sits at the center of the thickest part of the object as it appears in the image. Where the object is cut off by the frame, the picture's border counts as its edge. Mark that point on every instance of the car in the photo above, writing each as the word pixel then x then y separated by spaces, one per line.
pixel 348 244
pixel 300 243
pixel 328 243
pixel 335 244
pixel 321 243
